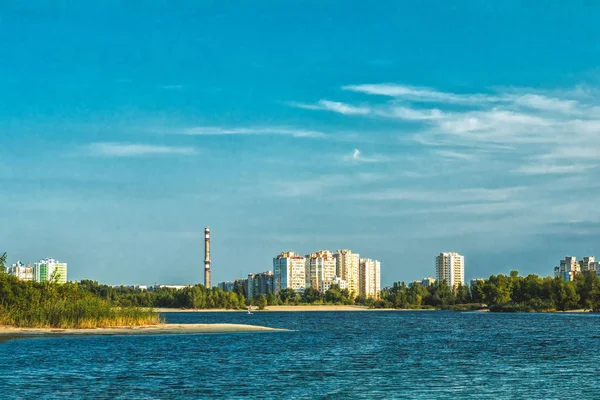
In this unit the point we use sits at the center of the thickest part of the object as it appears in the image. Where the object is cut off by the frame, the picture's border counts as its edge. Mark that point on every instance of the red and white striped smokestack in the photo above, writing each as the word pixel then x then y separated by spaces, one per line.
pixel 207 257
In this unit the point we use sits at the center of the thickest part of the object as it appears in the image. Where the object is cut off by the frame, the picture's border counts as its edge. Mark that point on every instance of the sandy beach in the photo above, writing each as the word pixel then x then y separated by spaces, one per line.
pixel 163 329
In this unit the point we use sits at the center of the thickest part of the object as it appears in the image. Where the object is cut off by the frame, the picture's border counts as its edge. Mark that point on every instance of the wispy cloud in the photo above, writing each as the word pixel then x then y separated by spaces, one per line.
pixel 323 186
pixel 114 149
pixel 215 130
pixel 335 106
pixel 545 169
pixel 423 94
pixel 357 157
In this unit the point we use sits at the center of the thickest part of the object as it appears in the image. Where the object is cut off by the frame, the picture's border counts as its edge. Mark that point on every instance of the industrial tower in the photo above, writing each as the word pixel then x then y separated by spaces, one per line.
pixel 207 257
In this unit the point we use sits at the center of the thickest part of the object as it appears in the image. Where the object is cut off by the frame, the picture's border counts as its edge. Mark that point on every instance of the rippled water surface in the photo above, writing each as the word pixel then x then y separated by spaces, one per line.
pixel 333 355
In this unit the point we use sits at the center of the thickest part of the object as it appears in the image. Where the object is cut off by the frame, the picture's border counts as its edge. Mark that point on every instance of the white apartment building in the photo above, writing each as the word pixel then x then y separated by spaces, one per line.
pixel 22 272
pixel 335 281
pixel 369 278
pixel 569 267
pixel 348 269
pixel 587 264
pixel 50 270
pixel 319 267
pixel 450 267
pixel 289 272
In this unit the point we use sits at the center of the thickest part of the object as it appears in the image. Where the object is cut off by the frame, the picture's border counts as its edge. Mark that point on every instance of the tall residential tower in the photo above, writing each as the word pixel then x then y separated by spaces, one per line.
pixel 450 267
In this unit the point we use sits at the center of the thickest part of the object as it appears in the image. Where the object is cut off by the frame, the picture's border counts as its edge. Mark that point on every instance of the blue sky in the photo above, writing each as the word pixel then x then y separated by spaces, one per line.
pixel 396 129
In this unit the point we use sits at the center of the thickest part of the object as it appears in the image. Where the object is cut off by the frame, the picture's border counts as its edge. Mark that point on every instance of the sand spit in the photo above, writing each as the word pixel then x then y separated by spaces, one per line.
pixel 164 329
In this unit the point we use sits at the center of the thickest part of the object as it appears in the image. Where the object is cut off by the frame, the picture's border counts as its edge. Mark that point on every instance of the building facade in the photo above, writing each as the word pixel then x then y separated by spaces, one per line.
pixel 450 268
pixel 226 286
pixel 568 268
pixel 348 269
pixel 425 282
pixel 335 281
pixel 261 283
pixel 319 267
pixel 289 272
pixel 50 270
pixel 22 272
pixel 369 278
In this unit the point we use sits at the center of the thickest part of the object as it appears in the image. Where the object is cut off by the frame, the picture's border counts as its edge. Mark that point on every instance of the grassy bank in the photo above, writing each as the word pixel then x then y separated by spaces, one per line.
pixel 47 305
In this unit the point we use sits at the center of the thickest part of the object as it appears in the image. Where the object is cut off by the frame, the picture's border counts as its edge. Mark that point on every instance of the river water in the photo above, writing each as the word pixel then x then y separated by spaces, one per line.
pixel 324 355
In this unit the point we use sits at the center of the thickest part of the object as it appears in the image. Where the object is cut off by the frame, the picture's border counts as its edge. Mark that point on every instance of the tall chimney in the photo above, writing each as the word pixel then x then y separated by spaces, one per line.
pixel 207 257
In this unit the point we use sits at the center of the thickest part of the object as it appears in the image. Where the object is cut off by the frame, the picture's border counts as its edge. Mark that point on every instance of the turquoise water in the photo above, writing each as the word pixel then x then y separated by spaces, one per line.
pixel 332 355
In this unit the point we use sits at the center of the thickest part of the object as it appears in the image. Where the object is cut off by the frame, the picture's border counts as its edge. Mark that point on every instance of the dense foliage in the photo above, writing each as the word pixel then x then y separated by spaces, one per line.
pixel 501 293
pixel 191 297
pixel 50 305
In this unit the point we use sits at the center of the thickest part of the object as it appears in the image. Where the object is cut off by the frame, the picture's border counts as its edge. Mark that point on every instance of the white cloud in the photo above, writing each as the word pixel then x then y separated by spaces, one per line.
pixel 423 94
pixel 545 169
pixel 357 157
pixel 214 130
pixel 114 149
pixel 335 106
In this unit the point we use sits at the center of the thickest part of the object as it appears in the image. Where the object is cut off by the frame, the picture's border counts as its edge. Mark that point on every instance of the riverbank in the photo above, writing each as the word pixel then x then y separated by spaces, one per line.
pixel 162 329
pixel 290 309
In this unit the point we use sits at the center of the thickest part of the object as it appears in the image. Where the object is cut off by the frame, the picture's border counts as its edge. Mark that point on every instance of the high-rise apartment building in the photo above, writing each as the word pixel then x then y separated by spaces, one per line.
pixel 587 263
pixel 569 267
pixel 319 267
pixel 450 268
pixel 289 272
pixel 261 283
pixel 50 270
pixel 24 273
pixel 369 278
pixel 347 268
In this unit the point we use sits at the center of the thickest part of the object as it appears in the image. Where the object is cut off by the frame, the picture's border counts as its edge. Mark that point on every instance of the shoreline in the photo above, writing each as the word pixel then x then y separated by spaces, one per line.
pixel 350 308
pixel 300 308
pixel 163 329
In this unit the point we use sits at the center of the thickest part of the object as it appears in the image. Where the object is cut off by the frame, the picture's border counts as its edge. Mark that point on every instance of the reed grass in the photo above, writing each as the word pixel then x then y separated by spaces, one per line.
pixel 29 305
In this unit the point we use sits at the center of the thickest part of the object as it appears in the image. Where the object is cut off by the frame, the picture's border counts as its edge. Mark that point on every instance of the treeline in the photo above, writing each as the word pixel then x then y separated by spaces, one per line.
pixel 199 297
pixel 190 297
pixel 51 305
pixel 500 293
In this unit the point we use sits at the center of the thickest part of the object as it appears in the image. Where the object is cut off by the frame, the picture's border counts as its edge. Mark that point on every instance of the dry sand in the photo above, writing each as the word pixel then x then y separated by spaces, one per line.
pixel 136 330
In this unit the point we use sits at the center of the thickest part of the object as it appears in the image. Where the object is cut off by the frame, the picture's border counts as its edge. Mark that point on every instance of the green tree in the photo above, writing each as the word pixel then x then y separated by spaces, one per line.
pixel 271 299
pixel 260 301
pixel 311 296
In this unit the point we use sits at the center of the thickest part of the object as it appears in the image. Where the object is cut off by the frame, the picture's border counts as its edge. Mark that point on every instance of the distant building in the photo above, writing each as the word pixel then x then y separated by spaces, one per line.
pixel 587 263
pixel 568 268
pixel 425 282
pixel 244 284
pixel 348 269
pixel 369 278
pixel 176 287
pixel 261 283
pixel 450 268
pixel 22 272
pixel 319 267
pixel 335 281
pixel 134 287
pixel 50 270
pixel 289 272
pixel 226 286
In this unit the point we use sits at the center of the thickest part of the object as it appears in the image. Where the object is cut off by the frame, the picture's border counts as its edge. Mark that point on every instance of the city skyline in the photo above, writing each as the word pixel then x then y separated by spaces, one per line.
pixel 397 129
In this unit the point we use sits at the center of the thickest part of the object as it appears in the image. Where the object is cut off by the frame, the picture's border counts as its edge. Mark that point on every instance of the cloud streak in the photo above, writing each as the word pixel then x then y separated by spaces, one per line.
pixel 114 149
pixel 357 157
pixel 265 130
